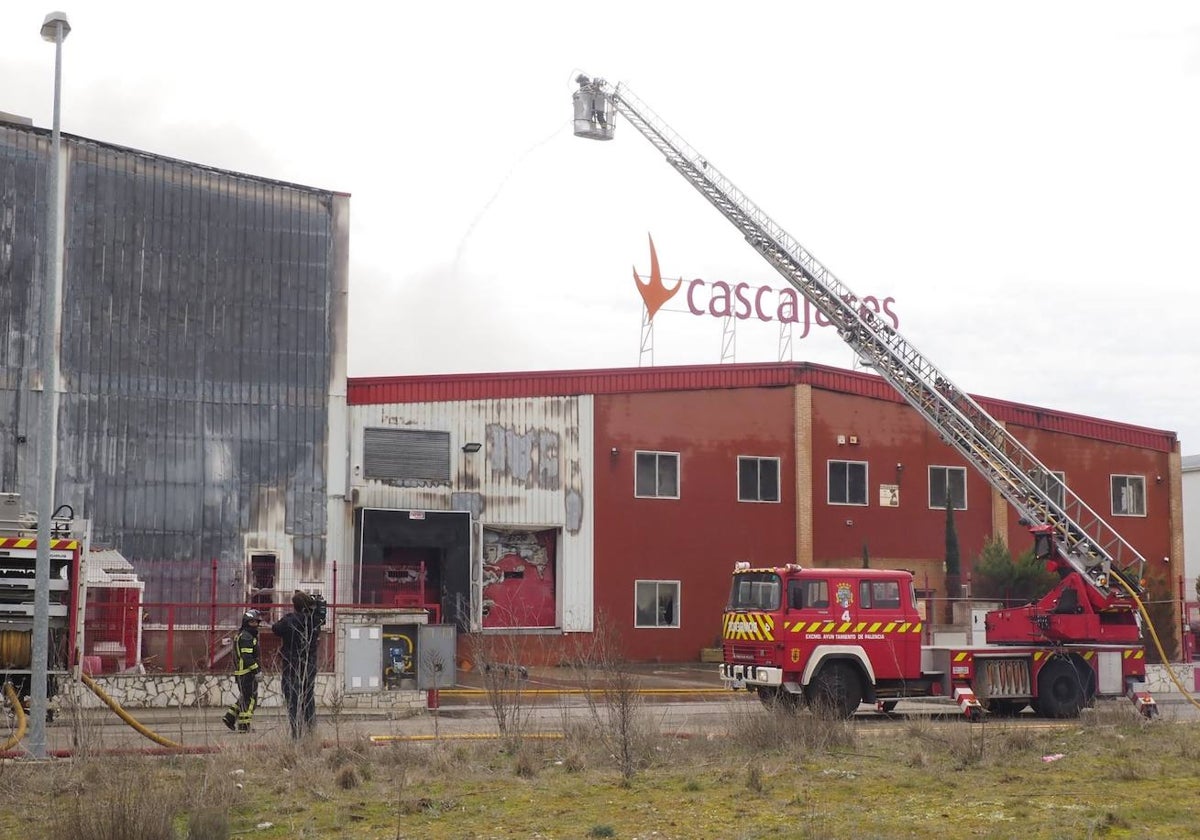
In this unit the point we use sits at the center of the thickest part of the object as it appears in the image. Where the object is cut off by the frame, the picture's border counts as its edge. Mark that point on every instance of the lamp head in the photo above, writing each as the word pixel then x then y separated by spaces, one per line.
pixel 51 24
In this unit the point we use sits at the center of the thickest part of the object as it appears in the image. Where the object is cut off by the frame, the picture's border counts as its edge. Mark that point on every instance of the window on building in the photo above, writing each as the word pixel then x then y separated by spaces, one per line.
pixel 847 482
pixel 1128 495
pixel 758 479
pixel 1053 485
pixel 263 568
pixel 656 475
pixel 406 455
pixel 948 482
pixel 656 603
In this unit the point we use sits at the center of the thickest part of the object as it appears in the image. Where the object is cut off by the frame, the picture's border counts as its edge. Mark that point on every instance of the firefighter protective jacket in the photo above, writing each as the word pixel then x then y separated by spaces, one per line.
pixel 245 659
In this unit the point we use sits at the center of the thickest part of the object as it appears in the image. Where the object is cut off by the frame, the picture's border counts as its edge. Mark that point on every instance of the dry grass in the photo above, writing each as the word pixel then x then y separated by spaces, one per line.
pixel 766 775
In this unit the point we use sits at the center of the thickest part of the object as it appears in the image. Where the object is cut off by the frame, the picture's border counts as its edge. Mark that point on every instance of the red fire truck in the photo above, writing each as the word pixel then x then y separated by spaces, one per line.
pixel 835 638
pixel 18 564
pixel 841 636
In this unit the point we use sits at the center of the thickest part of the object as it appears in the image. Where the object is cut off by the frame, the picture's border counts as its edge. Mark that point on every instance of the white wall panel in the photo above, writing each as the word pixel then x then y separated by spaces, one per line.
pixel 533 470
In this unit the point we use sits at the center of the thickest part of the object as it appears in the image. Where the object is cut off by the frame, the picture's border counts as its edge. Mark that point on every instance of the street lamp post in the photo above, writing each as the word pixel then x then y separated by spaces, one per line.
pixel 54 29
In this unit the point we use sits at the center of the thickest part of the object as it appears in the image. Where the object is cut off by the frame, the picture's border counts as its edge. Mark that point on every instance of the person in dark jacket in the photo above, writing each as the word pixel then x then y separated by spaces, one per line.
pixel 245 673
pixel 300 636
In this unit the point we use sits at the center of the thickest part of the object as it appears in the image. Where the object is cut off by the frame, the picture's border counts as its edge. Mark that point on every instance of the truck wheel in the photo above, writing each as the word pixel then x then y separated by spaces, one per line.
pixel 1061 690
pixel 1087 679
pixel 835 691
pixel 778 699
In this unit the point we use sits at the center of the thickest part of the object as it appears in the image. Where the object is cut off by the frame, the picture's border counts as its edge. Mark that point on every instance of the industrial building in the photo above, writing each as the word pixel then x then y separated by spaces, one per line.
pixel 203 363
pixel 534 502
pixel 209 434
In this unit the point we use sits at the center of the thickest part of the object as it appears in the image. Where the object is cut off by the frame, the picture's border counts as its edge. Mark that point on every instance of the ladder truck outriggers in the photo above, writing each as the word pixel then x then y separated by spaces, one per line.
pixel 839 637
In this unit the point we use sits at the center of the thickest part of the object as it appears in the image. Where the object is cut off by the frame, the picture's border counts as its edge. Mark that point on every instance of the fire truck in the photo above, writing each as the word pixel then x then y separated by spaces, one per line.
pixel 839 637
pixel 18 566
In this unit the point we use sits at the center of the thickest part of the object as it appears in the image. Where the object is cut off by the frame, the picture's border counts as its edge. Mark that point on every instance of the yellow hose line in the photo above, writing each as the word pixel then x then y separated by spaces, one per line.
pixel 483 736
pixel 1162 654
pixel 125 716
pixel 11 694
pixel 553 692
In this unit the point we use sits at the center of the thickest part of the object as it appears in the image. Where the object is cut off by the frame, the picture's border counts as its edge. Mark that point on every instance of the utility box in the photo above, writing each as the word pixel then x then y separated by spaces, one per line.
pixel 394 651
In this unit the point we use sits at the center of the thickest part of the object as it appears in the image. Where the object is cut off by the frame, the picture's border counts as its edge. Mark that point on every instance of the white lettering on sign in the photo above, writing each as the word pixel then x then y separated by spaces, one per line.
pixel 843 637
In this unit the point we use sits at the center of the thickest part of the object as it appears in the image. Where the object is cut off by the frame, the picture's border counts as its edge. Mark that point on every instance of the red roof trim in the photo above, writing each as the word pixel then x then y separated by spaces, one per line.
pixel 382 390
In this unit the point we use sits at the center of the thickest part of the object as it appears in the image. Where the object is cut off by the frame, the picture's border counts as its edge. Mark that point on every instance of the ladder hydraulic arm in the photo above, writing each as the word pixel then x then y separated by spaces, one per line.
pixel 1080 538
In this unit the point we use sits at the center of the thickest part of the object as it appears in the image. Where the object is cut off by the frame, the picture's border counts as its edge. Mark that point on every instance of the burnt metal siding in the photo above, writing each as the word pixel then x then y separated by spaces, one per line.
pixel 198 344
pixel 533 471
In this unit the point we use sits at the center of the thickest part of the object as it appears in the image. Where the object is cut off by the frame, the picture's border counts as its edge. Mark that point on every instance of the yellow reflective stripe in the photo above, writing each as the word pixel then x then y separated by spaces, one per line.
pixel 764 625
pixel 29 542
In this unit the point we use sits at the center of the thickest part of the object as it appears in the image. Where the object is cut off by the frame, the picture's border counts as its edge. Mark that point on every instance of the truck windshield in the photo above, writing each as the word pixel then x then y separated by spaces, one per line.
pixel 755 591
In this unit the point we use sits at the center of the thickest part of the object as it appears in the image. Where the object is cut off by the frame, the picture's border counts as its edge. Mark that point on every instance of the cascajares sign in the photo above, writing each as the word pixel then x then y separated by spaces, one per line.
pixel 743 301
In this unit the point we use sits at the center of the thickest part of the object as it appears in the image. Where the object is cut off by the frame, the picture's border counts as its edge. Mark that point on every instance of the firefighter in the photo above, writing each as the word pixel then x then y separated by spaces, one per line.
pixel 245 673
pixel 300 636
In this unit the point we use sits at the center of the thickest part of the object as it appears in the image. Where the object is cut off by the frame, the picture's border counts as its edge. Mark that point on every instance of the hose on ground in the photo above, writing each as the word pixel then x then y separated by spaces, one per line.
pixel 19 713
pixel 1162 654
pixel 125 716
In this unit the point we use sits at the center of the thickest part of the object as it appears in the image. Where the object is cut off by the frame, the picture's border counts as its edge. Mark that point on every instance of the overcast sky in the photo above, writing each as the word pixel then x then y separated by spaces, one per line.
pixel 1022 178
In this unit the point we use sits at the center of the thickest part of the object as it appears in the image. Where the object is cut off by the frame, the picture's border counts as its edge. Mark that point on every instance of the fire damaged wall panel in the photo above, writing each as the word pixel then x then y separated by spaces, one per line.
pixel 203 332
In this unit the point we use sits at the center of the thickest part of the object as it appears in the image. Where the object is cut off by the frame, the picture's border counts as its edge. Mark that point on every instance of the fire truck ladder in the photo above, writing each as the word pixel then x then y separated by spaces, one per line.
pixel 1084 540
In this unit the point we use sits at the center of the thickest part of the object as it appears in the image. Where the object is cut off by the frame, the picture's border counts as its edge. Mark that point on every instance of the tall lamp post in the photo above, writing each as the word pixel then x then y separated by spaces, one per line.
pixel 54 29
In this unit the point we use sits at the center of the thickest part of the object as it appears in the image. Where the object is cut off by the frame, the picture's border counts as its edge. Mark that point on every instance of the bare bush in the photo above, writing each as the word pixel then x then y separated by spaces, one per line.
pixel 765 730
pixel 505 681
pixel 119 812
pixel 612 693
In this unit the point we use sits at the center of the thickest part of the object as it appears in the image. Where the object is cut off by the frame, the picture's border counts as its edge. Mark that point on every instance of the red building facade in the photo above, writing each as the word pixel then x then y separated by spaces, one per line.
pixel 695 468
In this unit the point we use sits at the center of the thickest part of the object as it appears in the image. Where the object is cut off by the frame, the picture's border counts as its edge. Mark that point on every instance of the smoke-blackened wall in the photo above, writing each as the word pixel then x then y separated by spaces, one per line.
pixel 203 329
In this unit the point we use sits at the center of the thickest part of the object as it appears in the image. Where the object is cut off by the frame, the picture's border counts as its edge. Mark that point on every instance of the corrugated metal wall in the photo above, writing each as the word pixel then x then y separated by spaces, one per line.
pixel 203 332
pixel 533 470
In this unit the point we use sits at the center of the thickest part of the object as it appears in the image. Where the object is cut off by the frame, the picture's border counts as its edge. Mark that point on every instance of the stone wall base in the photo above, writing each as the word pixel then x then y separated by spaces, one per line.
pixel 162 691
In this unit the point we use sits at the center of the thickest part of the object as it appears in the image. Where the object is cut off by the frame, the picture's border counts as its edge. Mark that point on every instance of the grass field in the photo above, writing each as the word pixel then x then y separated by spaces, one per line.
pixel 1109 775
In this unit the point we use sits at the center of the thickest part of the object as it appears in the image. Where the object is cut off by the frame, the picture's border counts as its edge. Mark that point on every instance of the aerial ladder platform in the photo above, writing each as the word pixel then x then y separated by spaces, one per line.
pixel 1069 535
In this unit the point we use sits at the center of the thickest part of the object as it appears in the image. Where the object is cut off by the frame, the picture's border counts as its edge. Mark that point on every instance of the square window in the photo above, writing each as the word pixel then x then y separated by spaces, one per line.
pixel 1128 495
pixel 656 475
pixel 656 603
pixel 758 479
pixel 847 483
pixel 948 482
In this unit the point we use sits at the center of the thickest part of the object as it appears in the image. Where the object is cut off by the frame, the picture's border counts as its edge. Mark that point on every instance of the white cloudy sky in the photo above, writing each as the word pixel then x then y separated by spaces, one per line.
pixel 1022 177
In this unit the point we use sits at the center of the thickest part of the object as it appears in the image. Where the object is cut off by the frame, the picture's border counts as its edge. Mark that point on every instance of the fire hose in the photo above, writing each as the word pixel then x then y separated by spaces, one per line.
pixel 1157 643
pixel 125 716
pixel 19 713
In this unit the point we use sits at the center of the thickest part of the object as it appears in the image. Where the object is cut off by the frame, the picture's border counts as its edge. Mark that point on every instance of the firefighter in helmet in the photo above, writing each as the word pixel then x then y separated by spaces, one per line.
pixel 245 673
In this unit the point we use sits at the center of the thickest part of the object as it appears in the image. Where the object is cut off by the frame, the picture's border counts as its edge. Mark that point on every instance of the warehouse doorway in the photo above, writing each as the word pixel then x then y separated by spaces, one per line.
pixel 417 559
